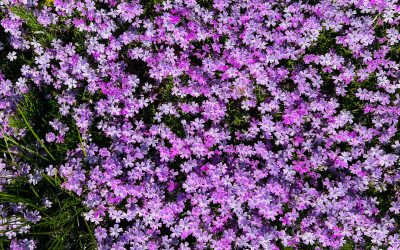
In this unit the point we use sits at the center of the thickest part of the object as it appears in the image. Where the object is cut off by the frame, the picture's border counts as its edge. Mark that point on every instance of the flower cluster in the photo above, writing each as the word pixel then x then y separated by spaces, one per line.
pixel 215 124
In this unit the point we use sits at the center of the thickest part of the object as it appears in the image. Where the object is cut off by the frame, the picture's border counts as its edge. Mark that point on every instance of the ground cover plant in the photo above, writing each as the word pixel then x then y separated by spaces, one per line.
pixel 208 124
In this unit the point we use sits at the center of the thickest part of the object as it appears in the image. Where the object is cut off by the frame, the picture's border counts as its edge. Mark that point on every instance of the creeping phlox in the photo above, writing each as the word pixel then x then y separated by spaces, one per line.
pixel 225 124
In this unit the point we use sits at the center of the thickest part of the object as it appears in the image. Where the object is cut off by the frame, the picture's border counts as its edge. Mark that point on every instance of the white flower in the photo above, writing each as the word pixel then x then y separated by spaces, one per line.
pixel 12 56
pixel 114 231
pixel 308 238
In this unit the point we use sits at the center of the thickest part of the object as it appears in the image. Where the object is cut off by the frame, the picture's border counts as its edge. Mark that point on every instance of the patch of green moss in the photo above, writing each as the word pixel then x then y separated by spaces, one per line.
pixel 348 246
pixel 174 123
pixel 327 41
pixel 260 93
pixel 205 3
pixel 235 117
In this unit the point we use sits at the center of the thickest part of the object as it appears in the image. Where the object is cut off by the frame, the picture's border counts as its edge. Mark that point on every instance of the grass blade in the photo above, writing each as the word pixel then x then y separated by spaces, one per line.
pixel 34 134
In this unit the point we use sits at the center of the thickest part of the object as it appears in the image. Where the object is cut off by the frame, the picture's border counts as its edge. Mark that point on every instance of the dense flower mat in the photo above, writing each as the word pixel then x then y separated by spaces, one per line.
pixel 183 124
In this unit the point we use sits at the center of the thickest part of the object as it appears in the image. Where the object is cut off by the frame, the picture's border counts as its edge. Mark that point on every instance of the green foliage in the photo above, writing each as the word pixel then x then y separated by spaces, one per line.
pixel 34 134
pixel 354 105
pixel 384 197
pixel 290 64
pixel 62 226
pixel 175 125
pixel 260 93
pixel 327 41
pixel 348 246
pixel 35 112
pixel 149 7
pixel 205 3
pixel 166 89
pixel 235 117
pixel 46 34
pixel 394 53
pixel 43 35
